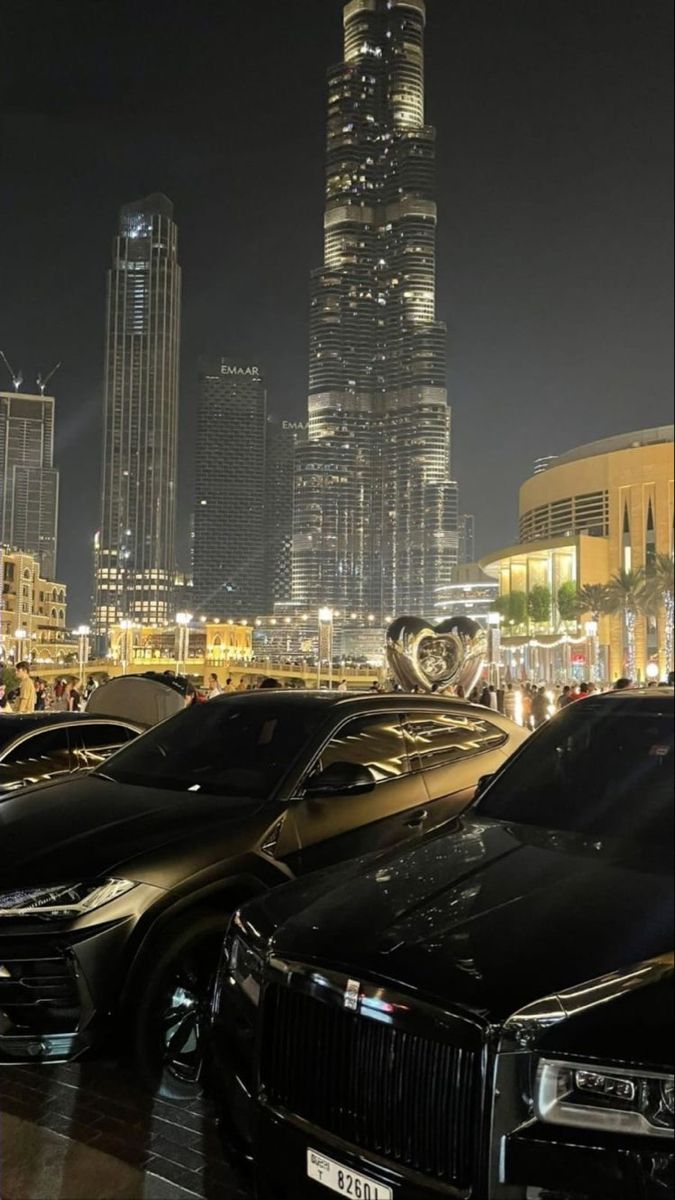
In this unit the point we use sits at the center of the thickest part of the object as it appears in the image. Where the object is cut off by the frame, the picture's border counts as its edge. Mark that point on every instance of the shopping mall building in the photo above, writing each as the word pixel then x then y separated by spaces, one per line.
pixel 594 511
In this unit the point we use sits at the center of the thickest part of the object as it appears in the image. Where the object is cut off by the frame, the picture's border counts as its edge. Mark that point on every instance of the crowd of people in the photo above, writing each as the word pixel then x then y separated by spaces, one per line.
pixel 33 694
pixel 532 705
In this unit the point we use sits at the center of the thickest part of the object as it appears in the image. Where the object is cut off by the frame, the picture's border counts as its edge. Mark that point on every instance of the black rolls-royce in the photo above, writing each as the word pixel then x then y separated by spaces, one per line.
pixel 487 1014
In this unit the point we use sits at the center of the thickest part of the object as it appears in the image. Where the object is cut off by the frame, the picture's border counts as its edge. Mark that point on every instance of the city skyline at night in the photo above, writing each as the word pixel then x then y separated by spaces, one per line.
pixel 554 186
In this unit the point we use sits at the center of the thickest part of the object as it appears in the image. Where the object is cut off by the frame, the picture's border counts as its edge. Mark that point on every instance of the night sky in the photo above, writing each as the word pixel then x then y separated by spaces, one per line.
pixel 555 188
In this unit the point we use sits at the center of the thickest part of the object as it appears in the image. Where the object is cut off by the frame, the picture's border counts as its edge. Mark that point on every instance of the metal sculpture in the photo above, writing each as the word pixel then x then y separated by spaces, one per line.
pixel 436 659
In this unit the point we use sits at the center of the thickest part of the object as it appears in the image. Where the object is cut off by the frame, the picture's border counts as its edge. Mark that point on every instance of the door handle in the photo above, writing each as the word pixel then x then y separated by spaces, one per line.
pixel 418 820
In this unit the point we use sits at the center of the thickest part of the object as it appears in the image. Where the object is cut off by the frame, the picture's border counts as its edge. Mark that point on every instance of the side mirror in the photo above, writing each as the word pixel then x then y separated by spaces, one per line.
pixel 341 779
pixel 483 785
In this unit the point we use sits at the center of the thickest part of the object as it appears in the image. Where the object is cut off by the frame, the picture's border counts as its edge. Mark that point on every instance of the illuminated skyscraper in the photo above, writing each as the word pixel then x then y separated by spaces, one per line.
pixel 29 484
pixel 282 439
pixel 135 552
pixel 229 544
pixel 374 527
pixel 467 539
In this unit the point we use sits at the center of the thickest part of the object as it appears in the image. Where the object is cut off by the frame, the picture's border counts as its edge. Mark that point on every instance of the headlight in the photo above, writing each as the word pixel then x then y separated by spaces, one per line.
pixel 64 902
pixel 607 1098
pixel 246 969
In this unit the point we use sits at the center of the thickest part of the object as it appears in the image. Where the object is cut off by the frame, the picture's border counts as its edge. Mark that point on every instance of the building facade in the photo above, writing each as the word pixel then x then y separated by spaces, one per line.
pixel 602 508
pixel 135 546
pixel 283 440
pixel 229 537
pixel 33 614
pixel 375 517
pixel 29 484
pixel 467 539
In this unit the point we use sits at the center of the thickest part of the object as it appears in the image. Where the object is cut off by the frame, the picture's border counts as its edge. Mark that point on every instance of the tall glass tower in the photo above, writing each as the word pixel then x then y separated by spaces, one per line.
pixel 375 525
pixel 135 550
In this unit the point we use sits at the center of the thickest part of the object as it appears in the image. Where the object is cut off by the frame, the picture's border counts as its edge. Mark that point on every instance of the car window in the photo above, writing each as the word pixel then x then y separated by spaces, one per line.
pixel 374 742
pixel 598 768
pixel 226 748
pixel 42 749
pixel 442 739
pixel 99 736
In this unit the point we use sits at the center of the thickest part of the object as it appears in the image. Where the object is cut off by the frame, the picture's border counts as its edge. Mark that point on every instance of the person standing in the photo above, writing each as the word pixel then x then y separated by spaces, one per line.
pixel 565 697
pixel 72 696
pixel 26 702
pixel 510 703
pixel 214 688
pixel 540 708
pixel 40 695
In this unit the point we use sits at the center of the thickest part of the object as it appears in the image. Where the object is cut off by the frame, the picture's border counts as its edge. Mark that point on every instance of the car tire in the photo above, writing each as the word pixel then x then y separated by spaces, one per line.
pixel 170 1022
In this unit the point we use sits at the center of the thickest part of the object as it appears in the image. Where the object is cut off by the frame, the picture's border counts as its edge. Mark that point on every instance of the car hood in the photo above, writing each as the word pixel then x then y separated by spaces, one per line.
pixel 90 827
pixel 488 917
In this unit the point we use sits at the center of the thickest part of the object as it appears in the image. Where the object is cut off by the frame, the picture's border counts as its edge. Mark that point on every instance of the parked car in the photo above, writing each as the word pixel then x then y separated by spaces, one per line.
pixel 116 889
pixel 487 1013
pixel 40 747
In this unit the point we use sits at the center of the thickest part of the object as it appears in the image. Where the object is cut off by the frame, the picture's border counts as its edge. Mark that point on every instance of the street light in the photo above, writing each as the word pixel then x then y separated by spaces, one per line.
pixel 82 634
pixel 591 629
pixel 326 617
pixel 183 621
pixel 125 640
pixel 653 671
pixel 20 635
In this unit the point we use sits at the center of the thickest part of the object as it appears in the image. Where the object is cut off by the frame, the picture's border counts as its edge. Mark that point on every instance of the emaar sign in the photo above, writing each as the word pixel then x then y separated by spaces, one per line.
pixel 252 372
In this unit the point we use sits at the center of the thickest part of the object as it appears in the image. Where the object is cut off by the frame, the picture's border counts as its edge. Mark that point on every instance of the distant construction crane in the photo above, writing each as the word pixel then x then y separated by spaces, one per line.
pixel 16 376
pixel 42 382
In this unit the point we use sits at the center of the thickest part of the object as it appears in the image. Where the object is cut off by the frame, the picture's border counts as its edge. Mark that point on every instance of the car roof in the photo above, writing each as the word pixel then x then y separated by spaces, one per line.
pixel 14 725
pixel 346 701
pixel 633 695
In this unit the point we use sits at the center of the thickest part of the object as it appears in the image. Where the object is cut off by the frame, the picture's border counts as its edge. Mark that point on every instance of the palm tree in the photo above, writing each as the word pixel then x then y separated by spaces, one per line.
pixel 592 599
pixel 660 592
pixel 627 597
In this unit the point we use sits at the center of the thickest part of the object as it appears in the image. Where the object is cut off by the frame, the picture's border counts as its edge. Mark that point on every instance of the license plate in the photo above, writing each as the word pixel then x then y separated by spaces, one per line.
pixel 339 1179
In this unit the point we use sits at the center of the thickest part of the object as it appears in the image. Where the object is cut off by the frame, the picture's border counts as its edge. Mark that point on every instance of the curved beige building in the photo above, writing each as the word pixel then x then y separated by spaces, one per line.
pixel 595 510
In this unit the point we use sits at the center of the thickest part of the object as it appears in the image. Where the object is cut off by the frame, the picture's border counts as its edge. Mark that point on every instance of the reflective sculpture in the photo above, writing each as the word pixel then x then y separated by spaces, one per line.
pixel 436 658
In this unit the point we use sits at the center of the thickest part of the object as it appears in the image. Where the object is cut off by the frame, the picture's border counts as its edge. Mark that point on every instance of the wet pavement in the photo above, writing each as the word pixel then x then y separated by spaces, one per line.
pixel 86 1132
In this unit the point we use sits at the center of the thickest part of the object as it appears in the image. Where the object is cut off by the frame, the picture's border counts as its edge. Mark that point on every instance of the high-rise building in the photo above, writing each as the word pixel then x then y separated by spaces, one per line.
pixel 545 463
pixel 29 484
pixel 283 438
pixel 229 541
pixel 135 550
pixel 372 527
pixel 467 539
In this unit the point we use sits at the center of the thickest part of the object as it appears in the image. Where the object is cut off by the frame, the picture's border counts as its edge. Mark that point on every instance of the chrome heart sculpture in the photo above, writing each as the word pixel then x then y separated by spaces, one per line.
pixel 436 658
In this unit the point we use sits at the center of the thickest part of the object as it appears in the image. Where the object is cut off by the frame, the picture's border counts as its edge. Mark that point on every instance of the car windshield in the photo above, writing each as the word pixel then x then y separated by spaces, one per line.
pixel 224 748
pixel 603 768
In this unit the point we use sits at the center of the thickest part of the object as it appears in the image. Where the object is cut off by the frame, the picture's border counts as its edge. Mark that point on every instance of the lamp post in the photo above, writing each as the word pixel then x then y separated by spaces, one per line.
pixel 494 647
pixel 591 629
pixel 326 618
pixel 125 655
pixel 20 635
pixel 83 647
pixel 183 621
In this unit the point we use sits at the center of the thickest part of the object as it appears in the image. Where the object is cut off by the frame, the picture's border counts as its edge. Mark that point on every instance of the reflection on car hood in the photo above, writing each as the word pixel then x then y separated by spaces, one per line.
pixel 89 827
pixel 489 918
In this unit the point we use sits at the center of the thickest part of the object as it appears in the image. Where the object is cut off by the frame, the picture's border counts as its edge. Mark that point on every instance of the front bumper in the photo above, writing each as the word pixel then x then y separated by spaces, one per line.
pixel 538 1166
pixel 57 990
pixel 576 1164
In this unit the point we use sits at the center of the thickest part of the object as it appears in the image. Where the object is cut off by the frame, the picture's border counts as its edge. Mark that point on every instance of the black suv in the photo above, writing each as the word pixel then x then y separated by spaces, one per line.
pixel 116 889
pixel 487 1014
